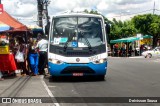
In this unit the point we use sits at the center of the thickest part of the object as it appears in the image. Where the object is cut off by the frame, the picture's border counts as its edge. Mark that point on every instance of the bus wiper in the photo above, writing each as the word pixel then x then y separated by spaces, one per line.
pixel 88 44
pixel 66 44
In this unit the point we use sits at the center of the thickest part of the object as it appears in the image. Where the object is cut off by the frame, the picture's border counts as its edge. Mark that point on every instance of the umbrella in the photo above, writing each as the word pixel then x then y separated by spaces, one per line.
pixel 35 28
pixel 4 27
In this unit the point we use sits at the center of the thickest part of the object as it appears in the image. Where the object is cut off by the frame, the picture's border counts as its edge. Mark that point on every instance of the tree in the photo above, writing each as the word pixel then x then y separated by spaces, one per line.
pixel 86 11
pixel 121 29
pixel 128 29
pixel 148 24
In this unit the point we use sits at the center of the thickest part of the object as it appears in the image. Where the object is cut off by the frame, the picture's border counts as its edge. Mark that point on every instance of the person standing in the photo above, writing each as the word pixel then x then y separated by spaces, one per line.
pixel 22 49
pixel 130 50
pixel 141 49
pixel 33 57
pixel 42 46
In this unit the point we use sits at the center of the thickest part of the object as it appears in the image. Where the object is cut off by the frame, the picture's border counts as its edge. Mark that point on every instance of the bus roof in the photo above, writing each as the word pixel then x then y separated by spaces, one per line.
pixel 78 14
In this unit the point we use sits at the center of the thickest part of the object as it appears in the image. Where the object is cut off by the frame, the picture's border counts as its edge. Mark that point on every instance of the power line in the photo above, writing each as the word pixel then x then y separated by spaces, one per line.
pixel 133 13
pixel 157 9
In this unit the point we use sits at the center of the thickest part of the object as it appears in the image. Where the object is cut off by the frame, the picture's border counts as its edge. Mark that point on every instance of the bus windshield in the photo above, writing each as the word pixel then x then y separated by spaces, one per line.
pixel 85 31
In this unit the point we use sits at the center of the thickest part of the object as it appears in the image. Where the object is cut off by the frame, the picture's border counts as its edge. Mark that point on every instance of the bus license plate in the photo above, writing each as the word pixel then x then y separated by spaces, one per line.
pixel 77 74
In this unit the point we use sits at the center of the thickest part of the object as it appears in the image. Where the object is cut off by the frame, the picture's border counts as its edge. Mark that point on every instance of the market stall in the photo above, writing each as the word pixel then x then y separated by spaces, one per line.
pixel 4 27
pixel 7 61
pixel 35 30
pixel 10 28
pixel 133 41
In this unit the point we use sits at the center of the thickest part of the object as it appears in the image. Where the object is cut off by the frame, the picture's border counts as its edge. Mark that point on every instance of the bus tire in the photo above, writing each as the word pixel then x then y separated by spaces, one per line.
pixel 149 55
pixel 51 78
pixel 101 77
pixel 54 78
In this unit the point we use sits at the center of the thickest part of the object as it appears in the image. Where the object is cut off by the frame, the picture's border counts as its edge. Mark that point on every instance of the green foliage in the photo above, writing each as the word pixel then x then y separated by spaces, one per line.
pixel 121 29
pixel 148 24
pixel 91 12
pixel 86 11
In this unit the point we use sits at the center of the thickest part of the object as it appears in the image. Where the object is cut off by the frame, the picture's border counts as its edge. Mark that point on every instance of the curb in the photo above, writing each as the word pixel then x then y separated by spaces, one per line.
pixel 128 57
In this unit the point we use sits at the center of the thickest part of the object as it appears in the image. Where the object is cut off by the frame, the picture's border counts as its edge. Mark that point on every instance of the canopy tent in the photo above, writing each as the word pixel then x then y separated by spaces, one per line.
pixel 4 27
pixel 130 39
pixel 35 28
pixel 10 21
pixel 147 36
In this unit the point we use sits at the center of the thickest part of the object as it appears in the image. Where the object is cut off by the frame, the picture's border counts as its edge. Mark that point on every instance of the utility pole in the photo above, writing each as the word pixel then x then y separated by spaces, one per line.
pixel 45 10
pixel 42 11
pixel 154 7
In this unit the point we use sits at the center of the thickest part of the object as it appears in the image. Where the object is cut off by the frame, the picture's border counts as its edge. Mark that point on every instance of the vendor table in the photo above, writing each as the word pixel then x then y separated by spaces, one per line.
pixel 7 62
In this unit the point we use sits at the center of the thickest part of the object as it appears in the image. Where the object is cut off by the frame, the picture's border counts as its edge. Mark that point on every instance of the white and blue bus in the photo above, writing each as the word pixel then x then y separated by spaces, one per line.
pixel 77 45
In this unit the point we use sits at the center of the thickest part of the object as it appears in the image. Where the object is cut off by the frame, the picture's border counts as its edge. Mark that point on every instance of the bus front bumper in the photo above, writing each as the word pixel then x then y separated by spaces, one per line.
pixel 66 69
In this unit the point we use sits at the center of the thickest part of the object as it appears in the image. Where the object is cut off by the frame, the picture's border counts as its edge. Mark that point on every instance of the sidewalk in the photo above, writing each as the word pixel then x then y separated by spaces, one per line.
pixel 127 57
pixel 137 57
pixel 34 86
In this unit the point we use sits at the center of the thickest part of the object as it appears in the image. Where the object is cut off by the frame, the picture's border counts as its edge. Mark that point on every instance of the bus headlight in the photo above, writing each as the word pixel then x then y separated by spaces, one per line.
pixel 55 61
pixel 100 61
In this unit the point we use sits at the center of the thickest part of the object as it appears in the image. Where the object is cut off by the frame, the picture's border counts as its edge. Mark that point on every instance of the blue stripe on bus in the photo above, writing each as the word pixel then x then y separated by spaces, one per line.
pixel 55 69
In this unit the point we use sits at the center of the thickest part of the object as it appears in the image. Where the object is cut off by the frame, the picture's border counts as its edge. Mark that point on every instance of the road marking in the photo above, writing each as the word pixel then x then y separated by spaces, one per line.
pixel 51 86
pixel 137 57
pixel 47 89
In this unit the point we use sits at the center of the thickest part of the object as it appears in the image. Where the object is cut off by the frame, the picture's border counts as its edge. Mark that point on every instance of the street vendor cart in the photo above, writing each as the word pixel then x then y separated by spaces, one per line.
pixel 7 60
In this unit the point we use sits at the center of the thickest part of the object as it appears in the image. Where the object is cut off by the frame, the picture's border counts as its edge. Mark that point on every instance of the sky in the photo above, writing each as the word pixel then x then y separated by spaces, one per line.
pixel 26 10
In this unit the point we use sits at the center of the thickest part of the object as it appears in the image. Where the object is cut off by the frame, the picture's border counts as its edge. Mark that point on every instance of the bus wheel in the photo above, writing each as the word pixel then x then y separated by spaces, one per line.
pixel 53 78
pixel 101 77
pixel 149 55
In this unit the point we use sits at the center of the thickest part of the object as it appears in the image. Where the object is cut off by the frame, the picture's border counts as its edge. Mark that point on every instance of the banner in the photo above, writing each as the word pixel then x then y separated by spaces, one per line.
pixel 1 8
pixel 35 100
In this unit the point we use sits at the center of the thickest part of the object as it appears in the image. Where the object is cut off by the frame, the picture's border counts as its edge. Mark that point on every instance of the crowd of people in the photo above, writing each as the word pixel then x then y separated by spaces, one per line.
pixel 121 51
pixel 125 51
pixel 31 57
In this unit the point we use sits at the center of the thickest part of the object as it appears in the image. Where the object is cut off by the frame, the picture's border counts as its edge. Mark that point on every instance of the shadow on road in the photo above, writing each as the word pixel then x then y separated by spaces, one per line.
pixel 74 79
pixel 9 76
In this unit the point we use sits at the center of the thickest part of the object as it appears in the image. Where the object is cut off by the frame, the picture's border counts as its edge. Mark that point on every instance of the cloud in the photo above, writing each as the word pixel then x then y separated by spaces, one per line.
pixel 124 2
pixel 109 8
pixel 19 8
pixel 63 5
pixel 102 6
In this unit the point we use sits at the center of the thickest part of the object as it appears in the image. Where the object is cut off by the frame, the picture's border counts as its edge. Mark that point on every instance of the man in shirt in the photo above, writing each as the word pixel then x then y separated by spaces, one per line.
pixel 42 45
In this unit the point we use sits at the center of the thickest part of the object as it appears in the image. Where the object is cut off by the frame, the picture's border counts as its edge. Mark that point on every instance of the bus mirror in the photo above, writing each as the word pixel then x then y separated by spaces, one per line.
pixel 47 27
pixel 107 28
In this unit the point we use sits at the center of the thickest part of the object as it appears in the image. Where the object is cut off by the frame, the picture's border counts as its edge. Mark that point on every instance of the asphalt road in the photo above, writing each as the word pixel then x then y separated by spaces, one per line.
pixel 126 77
